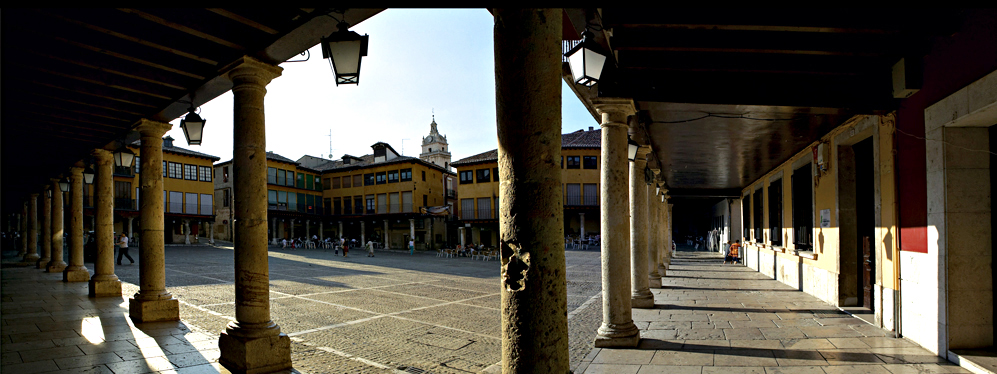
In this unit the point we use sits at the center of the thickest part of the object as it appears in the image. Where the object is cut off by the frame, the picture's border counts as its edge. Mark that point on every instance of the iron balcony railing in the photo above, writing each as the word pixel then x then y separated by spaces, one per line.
pixel 451 193
pixel 590 200
pixel 124 171
pixel 485 213
pixel 574 200
pixel 175 207
pixel 567 45
pixel 190 208
pixel 467 213
pixel 124 203
pixel 382 208
pixel 205 209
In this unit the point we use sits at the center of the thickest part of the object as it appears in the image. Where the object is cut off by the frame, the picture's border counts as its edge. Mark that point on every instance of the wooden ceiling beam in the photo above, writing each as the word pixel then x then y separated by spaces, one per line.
pixel 102 81
pixel 176 26
pixel 99 92
pixel 243 20
pixel 90 111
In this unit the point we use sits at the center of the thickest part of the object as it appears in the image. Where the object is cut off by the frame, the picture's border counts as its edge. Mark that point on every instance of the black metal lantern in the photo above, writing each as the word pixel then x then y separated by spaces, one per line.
pixel 586 64
pixel 88 174
pixel 344 49
pixel 193 127
pixel 123 157
pixel 64 185
pixel 632 149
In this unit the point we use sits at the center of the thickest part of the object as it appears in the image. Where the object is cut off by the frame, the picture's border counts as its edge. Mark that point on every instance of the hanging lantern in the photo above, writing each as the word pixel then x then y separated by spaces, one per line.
pixel 193 127
pixel 123 157
pixel 586 64
pixel 344 49
pixel 88 174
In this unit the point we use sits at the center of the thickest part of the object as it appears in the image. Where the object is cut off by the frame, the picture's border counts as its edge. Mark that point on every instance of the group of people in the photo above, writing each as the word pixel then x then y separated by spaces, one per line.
pixel 733 253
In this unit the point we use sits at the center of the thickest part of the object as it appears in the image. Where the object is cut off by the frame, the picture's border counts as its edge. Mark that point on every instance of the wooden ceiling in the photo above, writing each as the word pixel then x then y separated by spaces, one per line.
pixel 77 79
pixel 729 94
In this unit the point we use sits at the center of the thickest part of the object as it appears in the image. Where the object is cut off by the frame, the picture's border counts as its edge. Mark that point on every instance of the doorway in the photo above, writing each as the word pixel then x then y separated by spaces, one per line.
pixel 857 225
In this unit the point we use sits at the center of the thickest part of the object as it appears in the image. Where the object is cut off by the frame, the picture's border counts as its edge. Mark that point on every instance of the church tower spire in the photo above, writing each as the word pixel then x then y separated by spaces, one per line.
pixel 434 147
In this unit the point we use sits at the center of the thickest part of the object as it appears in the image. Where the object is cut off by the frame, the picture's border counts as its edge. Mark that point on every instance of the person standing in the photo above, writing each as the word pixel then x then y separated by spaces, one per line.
pixel 123 249
pixel 346 248
pixel 370 248
pixel 733 253
pixel 411 247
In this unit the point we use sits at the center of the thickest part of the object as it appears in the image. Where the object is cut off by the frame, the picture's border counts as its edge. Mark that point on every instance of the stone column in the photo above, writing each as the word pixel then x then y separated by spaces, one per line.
pixel 308 229
pixel 152 302
pixel 387 238
pixel 668 253
pixel 274 229
pixel 654 235
pixel 56 265
pixel 641 296
pixel 22 229
pixel 208 229
pixel 460 231
pixel 131 226
pixel 104 282
pixel 531 217
pixel 321 230
pixel 581 224
pixel 186 231
pixel 76 272
pixel 31 239
pixel 292 228
pixel 46 222
pixel 252 343
pixel 618 329
pixel 363 231
pixel 341 229
pixel 411 230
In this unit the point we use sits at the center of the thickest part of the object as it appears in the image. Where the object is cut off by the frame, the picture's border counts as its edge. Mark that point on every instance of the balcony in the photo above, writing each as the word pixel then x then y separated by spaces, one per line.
pixel 467 213
pixel 590 200
pixel 451 194
pixel 124 171
pixel 486 213
pixel 579 200
pixel 573 200
pixel 190 208
pixel 205 209
pixel 174 207
pixel 124 204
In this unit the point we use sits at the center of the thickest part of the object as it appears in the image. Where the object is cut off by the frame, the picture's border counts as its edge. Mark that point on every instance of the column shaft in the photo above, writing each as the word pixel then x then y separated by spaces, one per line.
pixel 387 238
pixel 104 282
pixel 531 217
pixel 46 221
pixel 76 271
pixel 56 264
pixel 22 230
pixel 411 228
pixel 641 296
pixel 31 241
pixel 152 302
pixel 363 231
pixel 654 238
pixel 253 342
pixel 618 329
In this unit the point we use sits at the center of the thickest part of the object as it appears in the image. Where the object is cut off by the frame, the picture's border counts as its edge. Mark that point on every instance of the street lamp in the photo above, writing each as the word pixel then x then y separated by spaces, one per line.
pixel 344 49
pixel 123 157
pixel 632 150
pixel 586 64
pixel 192 126
pixel 64 185
pixel 88 174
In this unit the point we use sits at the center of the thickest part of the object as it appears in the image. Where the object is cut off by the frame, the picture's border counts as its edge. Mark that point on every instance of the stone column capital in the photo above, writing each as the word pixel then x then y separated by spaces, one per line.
pixel 102 156
pixel 642 152
pixel 614 110
pixel 152 129
pixel 250 70
pixel 34 196
pixel 75 172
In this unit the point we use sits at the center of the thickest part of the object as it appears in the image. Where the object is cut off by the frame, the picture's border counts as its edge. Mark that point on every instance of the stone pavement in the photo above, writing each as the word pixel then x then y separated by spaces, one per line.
pixel 387 314
pixel 714 318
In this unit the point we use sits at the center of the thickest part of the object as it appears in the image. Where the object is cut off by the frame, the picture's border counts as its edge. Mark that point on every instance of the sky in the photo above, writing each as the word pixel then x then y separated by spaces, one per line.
pixel 419 63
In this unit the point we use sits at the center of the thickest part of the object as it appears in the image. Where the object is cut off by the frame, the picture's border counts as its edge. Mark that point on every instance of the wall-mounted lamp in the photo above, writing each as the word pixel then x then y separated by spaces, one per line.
pixel 586 64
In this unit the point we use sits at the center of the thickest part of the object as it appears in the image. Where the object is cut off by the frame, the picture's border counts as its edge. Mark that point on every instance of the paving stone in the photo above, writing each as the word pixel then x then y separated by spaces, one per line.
pixel 669 369
pixel 744 357
pixel 623 356
pixel 684 357
pixel 733 370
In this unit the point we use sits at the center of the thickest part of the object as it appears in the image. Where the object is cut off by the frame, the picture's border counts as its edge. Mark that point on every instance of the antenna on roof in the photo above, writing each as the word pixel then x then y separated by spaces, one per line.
pixel 403 145
pixel 330 144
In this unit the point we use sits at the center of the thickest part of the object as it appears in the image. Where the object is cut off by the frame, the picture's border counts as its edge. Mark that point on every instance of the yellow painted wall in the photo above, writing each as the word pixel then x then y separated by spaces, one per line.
pixel 826 240
pixel 477 190
pixel 433 187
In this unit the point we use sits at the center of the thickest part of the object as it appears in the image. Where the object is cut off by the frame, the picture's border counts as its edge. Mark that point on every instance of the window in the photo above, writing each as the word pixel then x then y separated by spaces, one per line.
pixel 271 197
pixel 484 208
pixel 484 175
pixel 393 203
pixel 176 170
pixel 271 175
pixel 380 178
pixel 301 180
pixel 393 176
pixel 574 162
pixel 282 200
pixel 466 177
pixel 290 179
pixel 358 204
pixel 423 175
pixel 292 201
pixel 775 212
pixel 138 161
pixel 302 201
pixel 190 172
pixel 357 181
pixel 327 183
pixel 368 179
pixel 803 214
pixel 382 203
pixel 206 204
pixel 226 197
pixel 310 203
pixel 562 162
pixel 335 182
pixel 746 217
pixel 495 174
pixel 309 181
pixel 337 205
pixel 407 202
pixel 176 202
pixel 164 169
pixel 590 162
pixel 425 200
pixel 370 204
pixel 318 184
pixel 758 202
pixel 225 174
pixel 327 204
pixel 573 192
pixel 205 174
pixel 466 208
pixel 280 177
pixel 590 194
pixel 406 175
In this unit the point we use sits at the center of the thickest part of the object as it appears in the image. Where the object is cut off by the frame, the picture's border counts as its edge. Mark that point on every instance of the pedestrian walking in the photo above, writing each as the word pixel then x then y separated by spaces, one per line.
pixel 411 247
pixel 346 248
pixel 123 249
pixel 370 248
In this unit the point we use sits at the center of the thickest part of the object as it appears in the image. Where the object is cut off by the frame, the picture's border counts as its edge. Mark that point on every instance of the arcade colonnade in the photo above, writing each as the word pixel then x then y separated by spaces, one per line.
pixel 635 217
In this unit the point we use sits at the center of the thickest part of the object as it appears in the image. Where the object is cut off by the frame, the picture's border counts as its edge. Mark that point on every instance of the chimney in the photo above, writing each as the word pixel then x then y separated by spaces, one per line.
pixel 168 141
pixel 591 128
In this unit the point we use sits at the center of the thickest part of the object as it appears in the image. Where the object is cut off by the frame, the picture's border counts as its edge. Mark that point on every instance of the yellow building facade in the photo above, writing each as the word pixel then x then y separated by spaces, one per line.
pixel 478 189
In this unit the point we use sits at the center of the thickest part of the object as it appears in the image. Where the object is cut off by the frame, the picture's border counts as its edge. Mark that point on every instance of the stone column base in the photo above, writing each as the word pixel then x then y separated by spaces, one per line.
pixel 655 282
pixel 30 259
pixel 105 288
pixel 75 274
pixel 43 262
pixel 55 268
pixel 619 341
pixel 642 301
pixel 255 355
pixel 154 310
